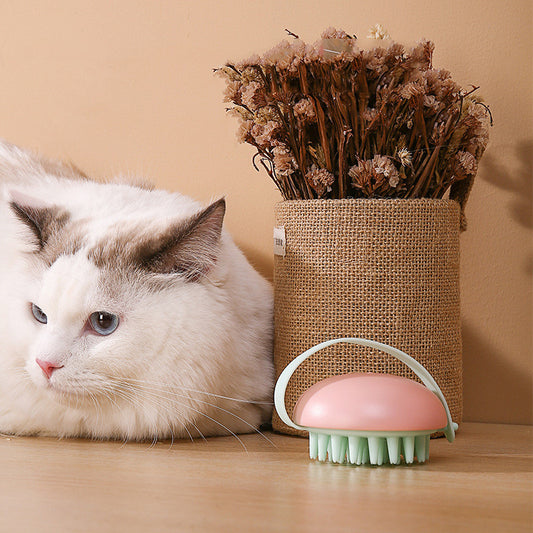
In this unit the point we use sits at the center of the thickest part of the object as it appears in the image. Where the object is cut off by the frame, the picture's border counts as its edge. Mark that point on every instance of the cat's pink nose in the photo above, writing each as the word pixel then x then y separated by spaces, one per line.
pixel 47 367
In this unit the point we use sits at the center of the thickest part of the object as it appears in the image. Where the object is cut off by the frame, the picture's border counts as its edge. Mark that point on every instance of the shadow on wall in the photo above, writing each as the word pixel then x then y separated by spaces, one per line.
pixel 519 182
pixel 494 389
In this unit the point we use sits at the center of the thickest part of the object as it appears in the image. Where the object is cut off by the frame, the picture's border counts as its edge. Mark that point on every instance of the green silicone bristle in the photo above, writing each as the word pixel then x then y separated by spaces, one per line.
pixel 372 448
pixel 409 449
pixel 394 448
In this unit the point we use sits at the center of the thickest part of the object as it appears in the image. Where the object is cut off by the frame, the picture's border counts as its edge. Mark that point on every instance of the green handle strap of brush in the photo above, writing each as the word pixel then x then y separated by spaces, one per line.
pixel 415 366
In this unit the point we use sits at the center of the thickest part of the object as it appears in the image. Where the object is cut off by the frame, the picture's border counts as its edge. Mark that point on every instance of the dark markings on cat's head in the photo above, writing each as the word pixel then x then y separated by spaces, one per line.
pixel 48 230
pixel 187 247
pixel 43 222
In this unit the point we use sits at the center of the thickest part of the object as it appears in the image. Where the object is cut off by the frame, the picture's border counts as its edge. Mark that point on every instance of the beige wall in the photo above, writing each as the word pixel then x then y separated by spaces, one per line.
pixel 126 86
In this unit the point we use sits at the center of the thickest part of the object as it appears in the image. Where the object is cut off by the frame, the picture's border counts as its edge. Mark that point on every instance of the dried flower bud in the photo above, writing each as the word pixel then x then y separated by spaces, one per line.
pixel 241 112
pixel 478 120
pixel 332 49
pixel 369 114
pixel 257 134
pixel 250 74
pixel 405 157
pixel 449 88
pixel 431 102
pixel 252 96
pixel 375 60
pixel 440 84
pixel 464 165
pixel 232 92
pixel 320 180
pixel 266 114
pixel 314 53
pixel 394 179
pixel 384 165
pixel 394 54
pixel 229 73
pixel 365 178
pixel 304 111
pixel 265 135
pixel 252 61
pixel 411 90
pixel 244 133
pixel 378 32
pixel 286 55
pixel 284 163
pixel 333 33
pixel 422 54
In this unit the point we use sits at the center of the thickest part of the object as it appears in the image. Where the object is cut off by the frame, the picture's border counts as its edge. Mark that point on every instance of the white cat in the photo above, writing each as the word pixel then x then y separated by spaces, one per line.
pixel 124 312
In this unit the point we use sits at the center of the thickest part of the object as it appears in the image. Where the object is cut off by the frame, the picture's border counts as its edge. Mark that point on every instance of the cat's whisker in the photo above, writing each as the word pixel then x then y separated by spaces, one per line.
pixel 216 407
pixel 166 407
pixel 93 398
pixel 188 432
pixel 171 436
pixel 77 396
pixel 96 405
pixel 219 424
pixel 168 392
pixel 176 402
pixel 97 408
pixel 161 405
pixel 107 393
pixel 128 397
pixel 202 436
pixel 241 400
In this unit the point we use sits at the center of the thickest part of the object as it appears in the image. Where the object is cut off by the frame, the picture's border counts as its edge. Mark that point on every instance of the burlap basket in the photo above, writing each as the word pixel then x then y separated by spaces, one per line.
pixel 386 270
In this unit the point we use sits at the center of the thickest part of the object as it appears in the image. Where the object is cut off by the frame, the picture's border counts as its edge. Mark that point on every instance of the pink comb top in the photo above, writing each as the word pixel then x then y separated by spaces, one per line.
pixel 370 402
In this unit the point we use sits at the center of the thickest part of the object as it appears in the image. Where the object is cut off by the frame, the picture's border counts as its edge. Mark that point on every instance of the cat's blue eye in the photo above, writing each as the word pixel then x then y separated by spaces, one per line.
pixel 38 314
pixel 103 323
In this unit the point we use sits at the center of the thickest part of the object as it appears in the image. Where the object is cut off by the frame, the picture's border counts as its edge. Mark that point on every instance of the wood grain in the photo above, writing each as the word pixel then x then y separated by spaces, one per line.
pixel 481 482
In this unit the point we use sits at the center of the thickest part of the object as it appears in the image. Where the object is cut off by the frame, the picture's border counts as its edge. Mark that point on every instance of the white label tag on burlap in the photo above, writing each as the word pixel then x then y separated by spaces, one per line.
pixel 279 241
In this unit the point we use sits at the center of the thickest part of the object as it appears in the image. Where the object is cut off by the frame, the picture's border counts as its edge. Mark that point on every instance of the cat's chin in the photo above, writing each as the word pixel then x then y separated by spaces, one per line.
pixel 70 397
pixel 65 394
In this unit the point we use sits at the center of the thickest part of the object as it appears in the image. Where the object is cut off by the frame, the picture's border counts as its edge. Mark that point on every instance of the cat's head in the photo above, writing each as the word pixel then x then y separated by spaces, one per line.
pixel 107 306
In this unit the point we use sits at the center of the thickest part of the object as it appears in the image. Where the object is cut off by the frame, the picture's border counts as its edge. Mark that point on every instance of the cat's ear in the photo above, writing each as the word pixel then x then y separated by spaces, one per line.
pixel 189 248
pixel 40 219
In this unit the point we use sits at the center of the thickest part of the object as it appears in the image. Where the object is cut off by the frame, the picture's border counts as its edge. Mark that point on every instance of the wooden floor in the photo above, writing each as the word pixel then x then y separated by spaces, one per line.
pixel 482 482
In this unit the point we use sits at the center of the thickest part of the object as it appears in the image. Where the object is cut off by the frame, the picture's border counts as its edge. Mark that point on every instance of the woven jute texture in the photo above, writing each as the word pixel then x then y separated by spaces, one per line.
pixel 386 270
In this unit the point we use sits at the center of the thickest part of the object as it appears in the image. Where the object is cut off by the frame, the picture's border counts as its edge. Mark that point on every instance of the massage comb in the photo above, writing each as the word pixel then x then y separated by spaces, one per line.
pixel 368 418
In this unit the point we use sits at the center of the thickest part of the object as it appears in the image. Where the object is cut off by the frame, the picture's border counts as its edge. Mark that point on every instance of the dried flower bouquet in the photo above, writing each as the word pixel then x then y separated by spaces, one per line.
pixel 330 120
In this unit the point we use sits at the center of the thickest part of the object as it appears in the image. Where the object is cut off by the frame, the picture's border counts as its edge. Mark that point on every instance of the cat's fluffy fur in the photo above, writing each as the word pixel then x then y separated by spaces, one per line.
pixel 195 317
